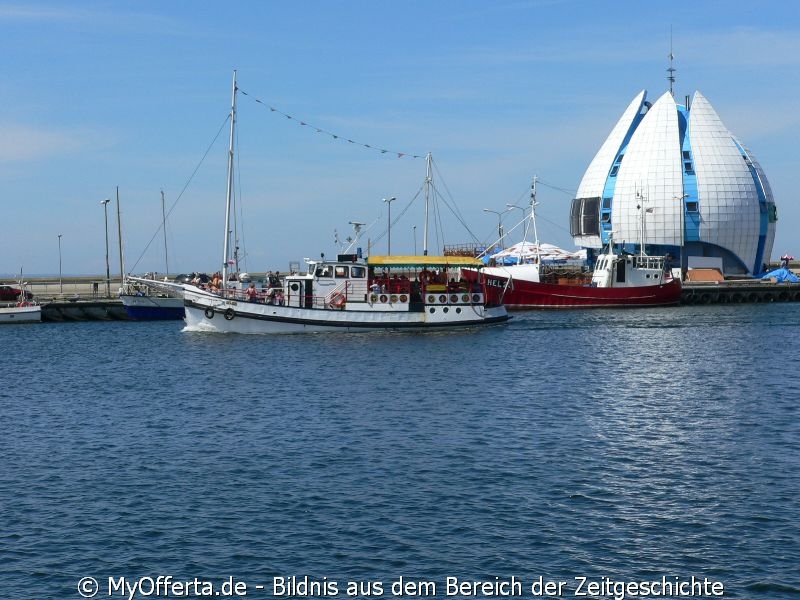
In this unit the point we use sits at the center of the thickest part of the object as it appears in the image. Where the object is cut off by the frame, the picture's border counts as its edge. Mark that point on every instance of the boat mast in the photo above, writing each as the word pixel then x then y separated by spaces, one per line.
pixel 428 182
pixel 164 226
pixel 119 236
pixel 226 245
pixel 533 221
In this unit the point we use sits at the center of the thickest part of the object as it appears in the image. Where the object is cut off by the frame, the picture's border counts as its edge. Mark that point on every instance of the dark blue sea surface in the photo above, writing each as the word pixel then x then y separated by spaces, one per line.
pixel 632 445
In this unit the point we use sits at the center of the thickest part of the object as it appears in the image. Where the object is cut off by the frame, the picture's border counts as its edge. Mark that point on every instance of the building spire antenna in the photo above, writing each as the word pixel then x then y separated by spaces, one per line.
pixel 671 69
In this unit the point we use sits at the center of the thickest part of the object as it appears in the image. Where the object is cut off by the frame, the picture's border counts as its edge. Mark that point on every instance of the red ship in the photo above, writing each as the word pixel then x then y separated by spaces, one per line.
pixel 618 280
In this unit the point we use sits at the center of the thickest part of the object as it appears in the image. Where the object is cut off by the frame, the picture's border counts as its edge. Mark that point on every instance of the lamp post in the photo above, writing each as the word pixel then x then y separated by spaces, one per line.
pixel 108 270
pixel 683 225
pixel 389 243
pixel 499 223
pixel 415 239
pixel 60 280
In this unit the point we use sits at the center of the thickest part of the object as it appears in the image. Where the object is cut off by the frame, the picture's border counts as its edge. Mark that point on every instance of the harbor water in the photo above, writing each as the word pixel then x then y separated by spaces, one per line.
pixel 581 447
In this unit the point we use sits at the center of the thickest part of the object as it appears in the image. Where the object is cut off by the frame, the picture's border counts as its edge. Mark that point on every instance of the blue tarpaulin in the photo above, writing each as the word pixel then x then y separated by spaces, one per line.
pixel 781 275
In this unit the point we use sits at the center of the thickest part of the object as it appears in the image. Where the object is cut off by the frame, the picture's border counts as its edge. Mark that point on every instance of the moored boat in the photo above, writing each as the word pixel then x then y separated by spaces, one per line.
pixel 24 310
pixel 21 312
pixel 148 305
pixel 619 279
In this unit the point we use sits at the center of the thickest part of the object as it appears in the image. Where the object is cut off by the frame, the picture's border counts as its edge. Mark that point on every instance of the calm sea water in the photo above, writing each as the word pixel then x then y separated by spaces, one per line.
pixel 632 445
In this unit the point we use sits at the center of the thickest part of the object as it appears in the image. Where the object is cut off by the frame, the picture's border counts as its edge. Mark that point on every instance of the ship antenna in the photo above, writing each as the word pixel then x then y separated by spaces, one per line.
pixel 671 69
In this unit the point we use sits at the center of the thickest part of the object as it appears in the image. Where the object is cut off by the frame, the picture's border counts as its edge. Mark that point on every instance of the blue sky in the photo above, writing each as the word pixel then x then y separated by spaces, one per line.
pixel 97 96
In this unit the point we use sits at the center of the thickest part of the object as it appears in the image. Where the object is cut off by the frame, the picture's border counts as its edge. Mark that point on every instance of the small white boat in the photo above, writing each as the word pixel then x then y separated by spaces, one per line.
pixel 348 294
pixel 21 312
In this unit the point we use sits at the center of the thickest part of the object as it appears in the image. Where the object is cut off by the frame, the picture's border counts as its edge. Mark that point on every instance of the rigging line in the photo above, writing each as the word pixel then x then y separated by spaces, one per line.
pixel 333 136
pixel 451 204
pixel 572 193
pixel 185 187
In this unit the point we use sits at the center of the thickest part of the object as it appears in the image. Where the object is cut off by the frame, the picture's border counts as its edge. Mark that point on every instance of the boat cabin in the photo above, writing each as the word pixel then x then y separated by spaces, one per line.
pixel 629 270
pixel 381 283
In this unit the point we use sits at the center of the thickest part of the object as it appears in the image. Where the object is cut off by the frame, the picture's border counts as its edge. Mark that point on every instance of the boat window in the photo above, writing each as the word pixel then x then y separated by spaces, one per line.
pixel 340 271
pixel 324 271
pixel 358 272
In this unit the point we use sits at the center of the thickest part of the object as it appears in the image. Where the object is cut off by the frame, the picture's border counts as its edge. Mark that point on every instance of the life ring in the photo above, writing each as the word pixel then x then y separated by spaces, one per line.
pixel 373 298
pixel 431 299
pixel 384 298
pixel 338 300
pixel 403 298
pixel 442 299
pixel 476 298
pixel 465 298
pixel 229 314
pixel 393 298
pixel 453 298
pixel 209 313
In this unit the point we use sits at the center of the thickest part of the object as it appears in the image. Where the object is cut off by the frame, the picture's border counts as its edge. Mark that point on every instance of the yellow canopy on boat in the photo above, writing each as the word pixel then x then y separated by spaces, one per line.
pixel 423 261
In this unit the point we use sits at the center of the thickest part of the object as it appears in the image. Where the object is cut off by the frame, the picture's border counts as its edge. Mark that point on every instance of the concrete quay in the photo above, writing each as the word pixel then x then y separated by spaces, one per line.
pixel 84 298
pixel 745 291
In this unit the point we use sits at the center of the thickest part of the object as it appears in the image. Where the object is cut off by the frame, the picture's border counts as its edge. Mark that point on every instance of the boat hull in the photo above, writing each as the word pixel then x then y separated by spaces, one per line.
pixel 520 294
pixel 152 308
pixel 21 314
pixel 207 312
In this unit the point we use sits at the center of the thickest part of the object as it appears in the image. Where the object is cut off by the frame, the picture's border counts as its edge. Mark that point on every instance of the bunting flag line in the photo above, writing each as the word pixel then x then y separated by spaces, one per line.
pixel 333 136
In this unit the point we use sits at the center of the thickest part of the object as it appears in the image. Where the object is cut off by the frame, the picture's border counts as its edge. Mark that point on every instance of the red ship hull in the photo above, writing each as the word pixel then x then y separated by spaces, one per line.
pixel 521 294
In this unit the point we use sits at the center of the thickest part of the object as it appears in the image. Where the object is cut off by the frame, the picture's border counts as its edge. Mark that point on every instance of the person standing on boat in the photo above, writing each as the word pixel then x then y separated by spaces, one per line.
pixel 251 293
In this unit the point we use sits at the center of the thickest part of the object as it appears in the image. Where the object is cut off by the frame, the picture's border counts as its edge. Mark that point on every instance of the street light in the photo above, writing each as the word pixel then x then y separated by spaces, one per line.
pixel 60 280
pixel 108 270
pixel 683 225
pixel 389 202
pixel 499 223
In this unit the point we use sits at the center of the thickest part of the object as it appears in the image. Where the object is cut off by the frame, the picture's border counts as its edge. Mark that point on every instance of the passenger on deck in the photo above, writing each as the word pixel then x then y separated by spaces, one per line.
pixel 251 293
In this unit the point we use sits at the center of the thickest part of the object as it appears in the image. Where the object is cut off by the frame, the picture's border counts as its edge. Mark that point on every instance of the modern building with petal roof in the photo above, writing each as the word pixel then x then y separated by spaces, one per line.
pixel 672 177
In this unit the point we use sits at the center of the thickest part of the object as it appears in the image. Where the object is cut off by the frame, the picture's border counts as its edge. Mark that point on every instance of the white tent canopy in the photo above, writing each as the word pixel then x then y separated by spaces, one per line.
pixel 548 252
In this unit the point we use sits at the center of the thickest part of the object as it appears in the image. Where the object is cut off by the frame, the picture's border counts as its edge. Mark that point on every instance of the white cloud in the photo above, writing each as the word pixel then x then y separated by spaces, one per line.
pixel 18 143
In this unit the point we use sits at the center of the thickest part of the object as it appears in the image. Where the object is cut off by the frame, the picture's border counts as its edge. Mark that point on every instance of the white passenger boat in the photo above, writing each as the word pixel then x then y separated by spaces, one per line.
pixel 348 294
pixel 383 292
